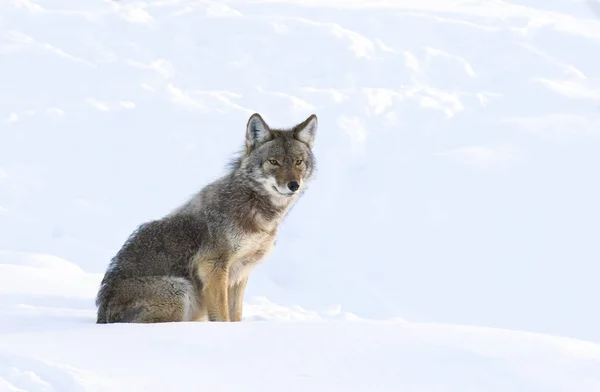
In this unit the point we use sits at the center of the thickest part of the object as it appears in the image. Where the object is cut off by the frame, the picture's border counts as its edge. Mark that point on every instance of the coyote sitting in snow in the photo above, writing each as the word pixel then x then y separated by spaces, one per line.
pixel 193 264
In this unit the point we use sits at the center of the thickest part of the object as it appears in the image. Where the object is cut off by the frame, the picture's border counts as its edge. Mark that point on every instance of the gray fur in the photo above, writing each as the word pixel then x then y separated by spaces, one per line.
pixel 194 262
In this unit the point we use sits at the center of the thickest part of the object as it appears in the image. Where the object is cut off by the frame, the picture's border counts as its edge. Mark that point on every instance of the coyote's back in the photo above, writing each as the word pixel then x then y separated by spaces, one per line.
pixel 194 263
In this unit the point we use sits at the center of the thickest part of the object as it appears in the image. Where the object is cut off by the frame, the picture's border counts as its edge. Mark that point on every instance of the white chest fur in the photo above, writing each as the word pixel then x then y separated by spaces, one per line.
pixel 250 251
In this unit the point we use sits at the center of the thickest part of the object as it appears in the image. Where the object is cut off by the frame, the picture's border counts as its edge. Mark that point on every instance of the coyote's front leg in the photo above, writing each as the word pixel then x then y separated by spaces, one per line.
pixel 236 298
pixel 214 292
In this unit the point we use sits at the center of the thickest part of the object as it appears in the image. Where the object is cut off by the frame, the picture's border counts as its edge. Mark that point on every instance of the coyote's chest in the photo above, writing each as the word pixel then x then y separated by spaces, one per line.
pixel 249 250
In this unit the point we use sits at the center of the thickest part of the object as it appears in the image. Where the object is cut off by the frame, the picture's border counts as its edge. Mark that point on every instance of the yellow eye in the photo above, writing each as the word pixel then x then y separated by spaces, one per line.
pixel 273 162
pixel 299 162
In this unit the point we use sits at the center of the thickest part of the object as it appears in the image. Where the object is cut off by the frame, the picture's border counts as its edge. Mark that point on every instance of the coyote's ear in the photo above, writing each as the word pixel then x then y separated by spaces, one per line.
pixel 306 131
pixel 257 132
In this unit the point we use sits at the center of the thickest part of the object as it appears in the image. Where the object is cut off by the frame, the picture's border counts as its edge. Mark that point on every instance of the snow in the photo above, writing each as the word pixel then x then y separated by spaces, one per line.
pixel 449 242
pixel 50 343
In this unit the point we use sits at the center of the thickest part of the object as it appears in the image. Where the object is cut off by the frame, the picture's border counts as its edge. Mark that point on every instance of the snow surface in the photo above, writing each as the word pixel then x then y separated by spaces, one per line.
pixel 449 243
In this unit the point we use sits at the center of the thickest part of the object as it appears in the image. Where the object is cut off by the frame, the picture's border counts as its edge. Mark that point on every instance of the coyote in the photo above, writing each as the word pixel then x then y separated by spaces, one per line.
pixel 193 264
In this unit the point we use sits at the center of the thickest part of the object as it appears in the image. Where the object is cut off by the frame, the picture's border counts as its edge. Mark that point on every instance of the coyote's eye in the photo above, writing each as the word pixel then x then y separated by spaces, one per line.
pixel 299 162
pixel 273 162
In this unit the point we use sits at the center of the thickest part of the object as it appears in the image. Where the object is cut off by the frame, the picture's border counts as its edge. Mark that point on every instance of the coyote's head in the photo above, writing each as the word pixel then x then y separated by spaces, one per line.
pixel 280 160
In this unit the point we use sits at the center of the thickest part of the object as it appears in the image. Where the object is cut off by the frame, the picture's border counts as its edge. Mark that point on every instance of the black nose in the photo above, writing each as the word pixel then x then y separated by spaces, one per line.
pixel 293 185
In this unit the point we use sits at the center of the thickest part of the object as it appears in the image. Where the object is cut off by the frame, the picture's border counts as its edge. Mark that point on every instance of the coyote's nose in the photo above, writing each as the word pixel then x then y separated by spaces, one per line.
pixel 293 185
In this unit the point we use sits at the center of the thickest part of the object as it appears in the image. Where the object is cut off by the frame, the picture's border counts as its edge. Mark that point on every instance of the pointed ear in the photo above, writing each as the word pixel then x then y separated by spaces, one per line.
pixel 257 132
pixel 306 131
